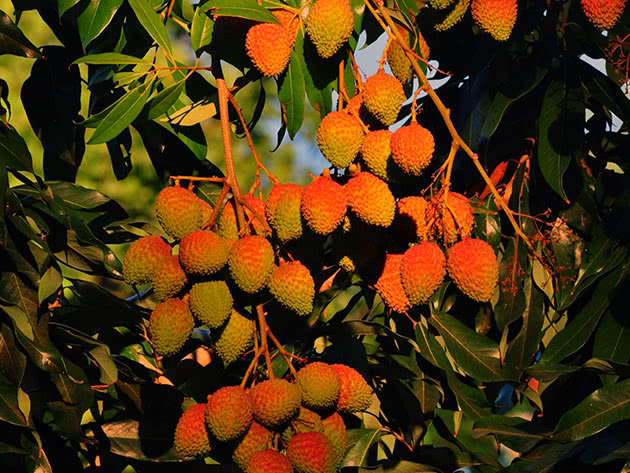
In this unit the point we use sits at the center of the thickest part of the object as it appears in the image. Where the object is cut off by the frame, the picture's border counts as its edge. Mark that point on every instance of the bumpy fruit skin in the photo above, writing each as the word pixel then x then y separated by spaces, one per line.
pixel 169 278
pixel 603 14
pixel 290 21
pixel 354 392
pixel 335 429
pixel 269 47
pixel 229 413
pixel 191 434
pixel 202 253
pixel 339 137
pixel 329 24
pixel 473 266
pixel 170 326
pixel 319 384
pixel 324 205
pixel 440 4
pixel 376 153
pixel 228 228
pixel 398 60
pixel 211 302
pixel 271 202
pixel 275 401
pixel 251 263
pixel 179 211
pixel 235 337
pixel 142 257
pixel 447 227
pixel 311 452
pixel 370 199
pixel 422 270
pixel 306 421
pixel 269 461
pixel 410 222
pixel 412 148
pixel 256 439
pixel 389 285
pixel 292 285
pixel 454 16
pixel 287 217
pixel 383 96
pixel 496 17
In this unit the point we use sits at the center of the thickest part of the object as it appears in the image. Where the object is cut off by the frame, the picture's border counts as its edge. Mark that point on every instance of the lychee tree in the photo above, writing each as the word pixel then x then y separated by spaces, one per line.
pixel 446 293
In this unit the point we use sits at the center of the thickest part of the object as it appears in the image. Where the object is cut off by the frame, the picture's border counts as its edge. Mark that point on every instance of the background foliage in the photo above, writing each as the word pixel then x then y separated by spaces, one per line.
pixel 536 380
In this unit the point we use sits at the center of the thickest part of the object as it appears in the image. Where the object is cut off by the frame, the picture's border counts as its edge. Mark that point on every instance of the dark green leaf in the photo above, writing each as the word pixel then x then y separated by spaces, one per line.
pixel 239 8
pixel 14 152
pixel 291 90
pixel 470 399
pixel 429 348
pixel 119 118
pixel 12 360
pixel 543 458
pixel 597 411
pixel 359 327
pixel 9 408
pixel 511 431
pixel 605 90
pixel 95 18
pixel 612 339
pixel 110 58
pixel 361 441
pixel 200 30
pixel 477 355
pixel 65 5
pixel 549 371
pixel 50 283
pixel 153 24
pixel 399 466
pixel 561 130
pixel 13 41
pixel 511 303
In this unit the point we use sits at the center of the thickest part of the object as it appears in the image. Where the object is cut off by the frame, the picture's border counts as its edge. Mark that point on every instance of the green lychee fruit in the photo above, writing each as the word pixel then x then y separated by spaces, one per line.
pixel 179 211
pixel 319 384
pixel 275 401
pixel 203 253
pixel 235 337
pixel 383 96
pixel 229 413
pixel 329 24
pixel 170 326
pixel 211 302
pixel 306 421
pixel 227 226
pixel 251 263
pixel 169 278
pixel 142 258
pixel 334 428
pixel 292 285
pixel 339 138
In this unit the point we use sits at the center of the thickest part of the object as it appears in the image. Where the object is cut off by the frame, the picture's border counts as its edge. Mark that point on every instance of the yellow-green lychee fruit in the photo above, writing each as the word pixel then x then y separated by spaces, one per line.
pixel 287 217
pixel 376 153
pixel 389 285
pixel 339 138
pixel 211 302
pixel 269 47
pixel 383 96
pixel 473 266
pixel 354 392
pixel 334 428
pixel 398 60
pixel 273 198
pixel 454 16
pixel 269 461
pixel 319 384
pixel 290 21
pixel 191 433
pixel 603 14
pixel 142 257
pixel 229 413
pixel 203 253
pixel 410 222
pixel 234 337
pixel 227 226
pixel 323 205
pixel 370 199
pixel 329 24
pixel 292 285
pixel 497 17
pixel 169 278
pixel 422 271
pixel 440 4
pixel 170 326
pixel 251 263
pixel 453 218
pixel 179 211
pixel 412 148
pixel 257 438
pixel 275 401
pixel 306 421
pixel 311 452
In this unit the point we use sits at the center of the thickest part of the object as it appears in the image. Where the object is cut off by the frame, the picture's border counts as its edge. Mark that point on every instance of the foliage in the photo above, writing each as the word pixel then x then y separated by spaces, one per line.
pixel 538 378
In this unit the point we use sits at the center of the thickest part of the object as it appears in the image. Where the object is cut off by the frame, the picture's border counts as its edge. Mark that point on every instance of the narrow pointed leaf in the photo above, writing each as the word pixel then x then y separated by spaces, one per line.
pixel 239 8
pixel 153 24
pixel 13 41
pixel 110 58
pixel 291 93
pixel 95 18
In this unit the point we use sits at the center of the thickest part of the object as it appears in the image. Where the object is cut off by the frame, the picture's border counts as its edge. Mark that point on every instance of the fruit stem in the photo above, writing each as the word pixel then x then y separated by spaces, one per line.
pixel 285 354
pixel 217 206
pixel 254 212
pixel 264 346
pixel 227 146
pixel 393 31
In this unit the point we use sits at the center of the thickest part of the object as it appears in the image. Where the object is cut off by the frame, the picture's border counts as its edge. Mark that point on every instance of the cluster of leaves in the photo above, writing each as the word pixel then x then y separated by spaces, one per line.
pixel 538 379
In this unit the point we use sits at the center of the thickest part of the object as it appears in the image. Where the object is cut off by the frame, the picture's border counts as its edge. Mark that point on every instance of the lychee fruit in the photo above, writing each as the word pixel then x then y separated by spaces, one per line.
pixel 334 428
pixel 412 148
pixel 169 278
pixel 234 338
pixel 275 401
pixel 170 326
pixel 603 14
pixel 251 263
pixel 292 285
pixel 370 199
pixel 269 47
pixel 286 219
pixel 269 461
pixel 389 285
pixel 211 302
pixel 354 392
pixel 179 211
pixel 306 421
pixel 142 258
pixel 383 96
pixel 229 413
pixel 422 270
pixel 329 24
pixel 323 205
pixel 410 222
pixel 256 439
pixel 191 433
pixel 398 60
pixel 473 266
pixel 311 452
pixel 453 218
pixel 319 384
pixel 496 17
pixel 339 137
pixel 227 226
pixel 290 21
pixel 203 253
pixel 376 153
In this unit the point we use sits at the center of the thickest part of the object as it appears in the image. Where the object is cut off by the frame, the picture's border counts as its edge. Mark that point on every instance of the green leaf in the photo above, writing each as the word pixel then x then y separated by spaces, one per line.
pixel 429 347
pixel 605 90
pixel 291 92
pixel 121 116
pixel 549 371
pixel 511 303
pixel 95 18
pixel 514 432
pixel 477 355
pixel 65 5
pixel 240 8
pixel 399 466
pixel 9 408
pixel 543 458
pixel 14 153
pixel 153 24
pixel 164 100
pixel 13 41
pixel 470 399
pixel 200 30
pixel 12 360
pixel 561 130
pixel 523 348
pixel 110 58
pixel 597 411
pixel 361 441
pixel 612 339
pixel 50 283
